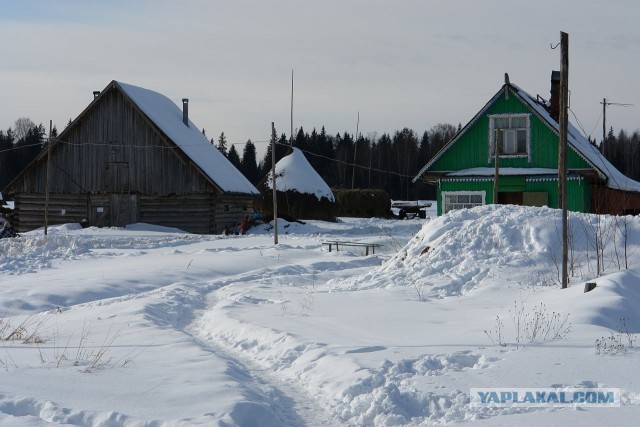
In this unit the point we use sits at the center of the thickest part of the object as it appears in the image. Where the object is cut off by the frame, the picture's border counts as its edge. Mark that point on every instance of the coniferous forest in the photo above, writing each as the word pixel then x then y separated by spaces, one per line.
pixel 388 161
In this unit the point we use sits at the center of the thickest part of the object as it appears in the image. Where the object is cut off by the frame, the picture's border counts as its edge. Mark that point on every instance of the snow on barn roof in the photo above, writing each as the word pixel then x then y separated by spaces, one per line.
pixel 168 117
pixel 615 179
pixel 294 172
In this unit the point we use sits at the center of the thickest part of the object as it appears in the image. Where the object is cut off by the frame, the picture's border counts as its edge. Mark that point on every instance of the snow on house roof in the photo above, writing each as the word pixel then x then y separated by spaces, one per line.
pixel 168 117
pixel 294 172
pixel 503 171
pixel 615 179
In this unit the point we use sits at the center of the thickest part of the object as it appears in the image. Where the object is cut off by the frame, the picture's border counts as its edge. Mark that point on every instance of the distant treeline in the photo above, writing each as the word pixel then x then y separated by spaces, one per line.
pixel 19 146
pixel 387 162
pixel 624 152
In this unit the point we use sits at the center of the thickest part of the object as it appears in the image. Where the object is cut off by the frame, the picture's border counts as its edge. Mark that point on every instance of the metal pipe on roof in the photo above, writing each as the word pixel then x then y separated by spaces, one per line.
pixel 185 111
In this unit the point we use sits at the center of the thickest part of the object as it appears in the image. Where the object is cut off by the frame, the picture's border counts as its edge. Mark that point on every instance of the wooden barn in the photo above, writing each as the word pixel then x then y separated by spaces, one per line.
pixel 132 156
pixel 525 132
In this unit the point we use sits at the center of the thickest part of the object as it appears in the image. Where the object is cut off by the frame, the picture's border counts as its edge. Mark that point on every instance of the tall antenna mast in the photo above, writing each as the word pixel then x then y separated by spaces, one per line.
pixel 604 117
pixel 291 135
pixel 355 150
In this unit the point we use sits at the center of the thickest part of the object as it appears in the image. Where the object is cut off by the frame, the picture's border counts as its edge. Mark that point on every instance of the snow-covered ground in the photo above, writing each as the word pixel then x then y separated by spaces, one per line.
pixel 154 327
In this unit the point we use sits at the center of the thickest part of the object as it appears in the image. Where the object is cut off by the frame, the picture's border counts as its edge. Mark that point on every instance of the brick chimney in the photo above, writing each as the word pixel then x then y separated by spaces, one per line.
pixel 554 101
pixel 185 111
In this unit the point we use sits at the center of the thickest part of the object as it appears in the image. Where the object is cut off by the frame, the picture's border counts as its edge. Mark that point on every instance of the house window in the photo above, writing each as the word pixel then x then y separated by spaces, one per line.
pixel 452 200
pixel 511 134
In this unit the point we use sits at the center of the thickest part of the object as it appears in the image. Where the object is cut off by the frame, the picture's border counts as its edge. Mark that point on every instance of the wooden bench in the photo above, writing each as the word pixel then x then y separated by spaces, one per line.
pixel 367 246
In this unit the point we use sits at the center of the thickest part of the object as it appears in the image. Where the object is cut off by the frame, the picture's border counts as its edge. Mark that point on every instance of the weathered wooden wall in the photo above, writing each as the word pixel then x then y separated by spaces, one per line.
pixel 605 200
pixel 63 208
pixel 229 211
pixel 197 213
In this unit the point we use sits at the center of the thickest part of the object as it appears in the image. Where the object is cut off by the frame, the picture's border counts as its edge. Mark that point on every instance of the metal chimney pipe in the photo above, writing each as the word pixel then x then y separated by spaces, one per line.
pixel 185 111
pixel 554 101
pixel 96 93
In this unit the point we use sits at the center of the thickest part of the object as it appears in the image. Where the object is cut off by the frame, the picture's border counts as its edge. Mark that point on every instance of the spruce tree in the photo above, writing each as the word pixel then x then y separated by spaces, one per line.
pixel 233 157
pixel 249 165
pixel 222 145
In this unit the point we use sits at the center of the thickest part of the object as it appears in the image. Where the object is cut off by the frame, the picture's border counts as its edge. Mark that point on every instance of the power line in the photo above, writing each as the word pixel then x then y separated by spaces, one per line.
pixel 609 174
pixel 348 163
pixel 120 144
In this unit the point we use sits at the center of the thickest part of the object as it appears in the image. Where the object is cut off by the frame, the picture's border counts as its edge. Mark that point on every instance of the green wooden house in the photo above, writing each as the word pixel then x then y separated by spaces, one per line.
pixel 525 131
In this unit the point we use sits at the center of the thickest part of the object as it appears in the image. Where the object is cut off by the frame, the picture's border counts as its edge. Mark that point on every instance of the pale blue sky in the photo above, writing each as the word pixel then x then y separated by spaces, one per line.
pixel 400 63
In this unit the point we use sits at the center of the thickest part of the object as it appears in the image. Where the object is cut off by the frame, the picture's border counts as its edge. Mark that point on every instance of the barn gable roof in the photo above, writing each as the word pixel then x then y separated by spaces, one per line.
pixel 167 116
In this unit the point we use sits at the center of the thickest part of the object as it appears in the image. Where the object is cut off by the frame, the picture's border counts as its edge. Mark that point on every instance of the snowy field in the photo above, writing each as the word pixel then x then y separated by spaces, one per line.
pixel 154 327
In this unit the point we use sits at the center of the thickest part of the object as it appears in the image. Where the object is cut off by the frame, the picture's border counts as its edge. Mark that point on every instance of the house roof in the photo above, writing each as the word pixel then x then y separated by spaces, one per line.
pixel 614 178
pixel 503 171
pixel 581 145
pixel 294 172
pixel 167 116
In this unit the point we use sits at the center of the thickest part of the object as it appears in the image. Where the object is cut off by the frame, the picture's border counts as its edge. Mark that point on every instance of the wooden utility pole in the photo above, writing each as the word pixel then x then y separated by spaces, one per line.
pixel 273 176
pixel 496 171
pixel 355 150
pixel 604 118
pixel 46 185
pixel 497 143
pixel 604 123
pixel 562 149
pixel 291 136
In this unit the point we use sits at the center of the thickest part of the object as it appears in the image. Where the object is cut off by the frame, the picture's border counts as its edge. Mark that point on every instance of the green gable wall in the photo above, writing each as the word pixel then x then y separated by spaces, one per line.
pixel 472 147
pixel 578 190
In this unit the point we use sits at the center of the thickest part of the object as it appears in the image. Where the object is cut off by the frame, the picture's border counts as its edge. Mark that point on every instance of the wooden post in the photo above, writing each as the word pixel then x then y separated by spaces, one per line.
pixel 562 158
pixel 496 172
pixel 604 120
pixel 46 185
pixel 273 176
pixel 604 124
pixel 355 150
pixel 291 136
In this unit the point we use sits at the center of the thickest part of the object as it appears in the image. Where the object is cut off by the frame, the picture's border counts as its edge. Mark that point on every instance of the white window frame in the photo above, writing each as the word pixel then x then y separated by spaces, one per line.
pixel 493 129
pixel 447 208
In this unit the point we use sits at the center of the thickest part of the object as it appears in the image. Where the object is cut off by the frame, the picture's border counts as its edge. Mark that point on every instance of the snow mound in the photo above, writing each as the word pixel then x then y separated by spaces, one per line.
pixel 29 254
pixel 461 250
pixel 33 251
pixel 466 249
pixel 295 173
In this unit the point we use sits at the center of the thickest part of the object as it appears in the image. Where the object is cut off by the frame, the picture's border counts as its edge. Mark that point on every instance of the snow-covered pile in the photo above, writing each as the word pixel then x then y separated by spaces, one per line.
pixel 295 173
pixel 457 252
